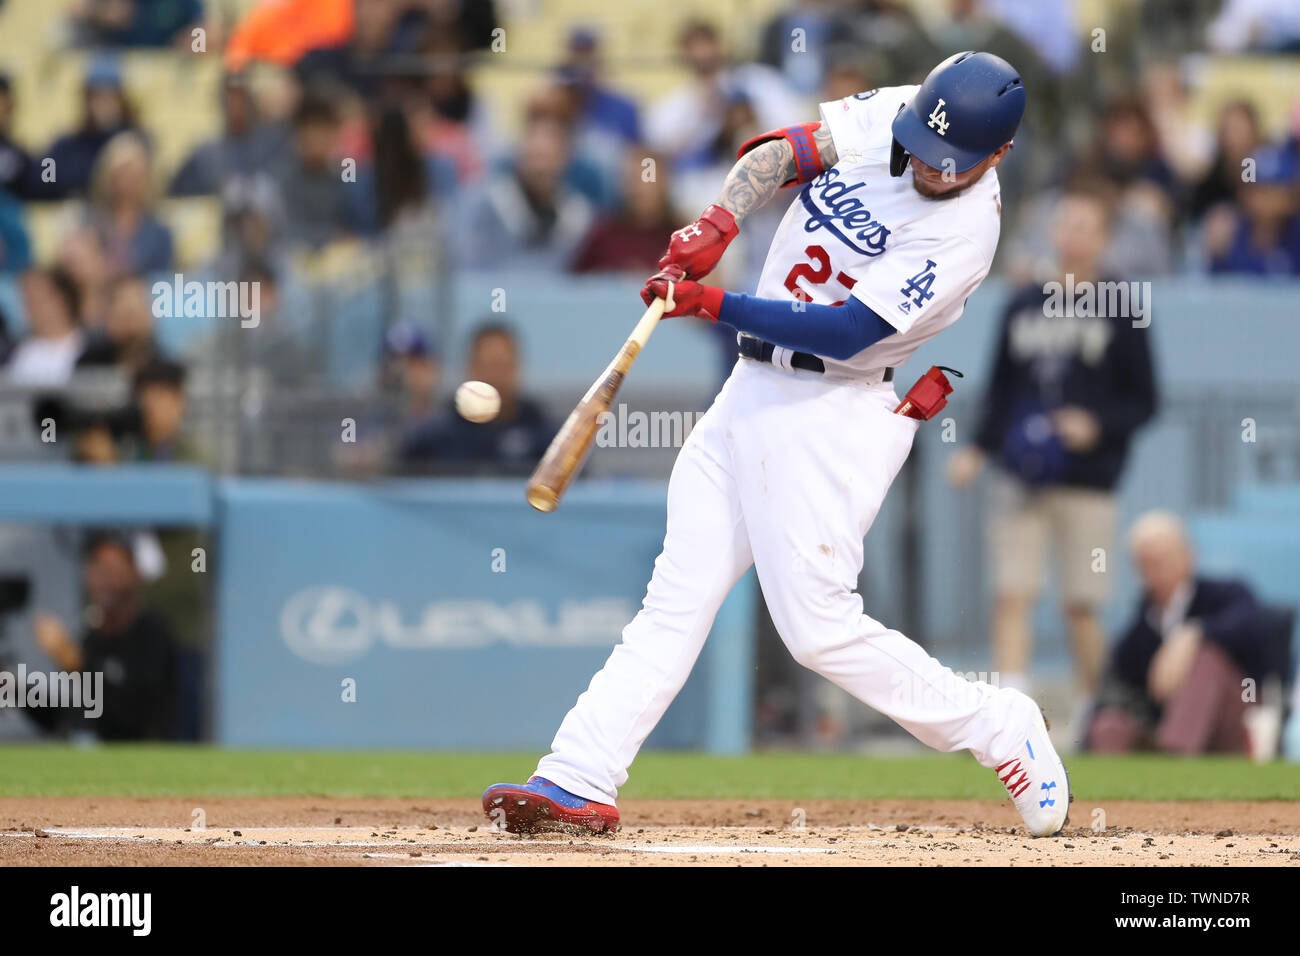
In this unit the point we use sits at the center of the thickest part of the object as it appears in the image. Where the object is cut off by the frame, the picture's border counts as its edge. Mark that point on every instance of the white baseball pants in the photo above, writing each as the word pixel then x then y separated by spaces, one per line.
pixel 786 471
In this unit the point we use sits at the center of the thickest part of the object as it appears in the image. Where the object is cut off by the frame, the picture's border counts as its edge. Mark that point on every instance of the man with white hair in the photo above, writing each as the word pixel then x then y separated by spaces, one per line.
pixel 1175 679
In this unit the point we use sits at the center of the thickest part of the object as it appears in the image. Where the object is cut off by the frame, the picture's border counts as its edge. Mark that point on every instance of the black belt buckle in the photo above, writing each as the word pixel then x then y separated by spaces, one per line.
pixel 760 351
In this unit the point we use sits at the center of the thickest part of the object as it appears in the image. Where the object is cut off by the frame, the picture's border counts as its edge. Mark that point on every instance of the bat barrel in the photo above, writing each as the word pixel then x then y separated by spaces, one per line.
pixel 568 449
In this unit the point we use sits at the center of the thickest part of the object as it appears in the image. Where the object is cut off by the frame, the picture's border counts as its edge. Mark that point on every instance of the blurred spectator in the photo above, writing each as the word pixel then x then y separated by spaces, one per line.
pixel 71 158
pixel 359 63
pixel 449 148
pixel 15 246
pixel 688 119
pixel 129 23
pixel 15 163
pixel 1261 236
pixel 81 255
pixel 282 31
pixel 449 122
pixel 1266 25
pixel 126 340
pixel 635 237
pixel 448 89
pixel 1046 25
pixel 174 591
pixel 706 163
pixel 467 23
pixel 1160 27
pixel 397 186
pixel 456 125
pixel 1238 136
pixel 96 428
pixel 1127 154
pixel 1182 140
pixel 1069 386
pixel 1128 148
pixel 316 205
pixel 276 351
pixel 158 390
pixel 131 645
pixel 6 339
pixel 603 125
pixel 888 38
pixel 54 340
pixel 594 165
pixel 598 107
pixel 134 239
pixel 252 226
pixel 510 444
pixel 414 369
pixel 245 146
pixel 94 438
pixel 526 216
pixel 410 373
pixel 802 57
pixel 847 73
pixel 1174 680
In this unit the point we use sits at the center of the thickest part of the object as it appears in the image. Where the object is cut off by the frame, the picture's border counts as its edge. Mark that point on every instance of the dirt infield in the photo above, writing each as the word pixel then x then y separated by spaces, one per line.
pixel 306 831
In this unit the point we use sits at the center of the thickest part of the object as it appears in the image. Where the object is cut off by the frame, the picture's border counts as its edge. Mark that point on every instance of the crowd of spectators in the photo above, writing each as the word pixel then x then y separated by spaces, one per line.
pixel 360 121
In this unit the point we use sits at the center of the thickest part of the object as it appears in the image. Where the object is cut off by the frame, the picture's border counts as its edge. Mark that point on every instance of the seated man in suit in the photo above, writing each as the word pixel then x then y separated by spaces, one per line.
pixel 1175 679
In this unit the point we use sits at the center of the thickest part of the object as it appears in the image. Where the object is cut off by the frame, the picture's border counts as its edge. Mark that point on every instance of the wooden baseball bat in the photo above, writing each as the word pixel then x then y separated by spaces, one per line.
pixel 568 449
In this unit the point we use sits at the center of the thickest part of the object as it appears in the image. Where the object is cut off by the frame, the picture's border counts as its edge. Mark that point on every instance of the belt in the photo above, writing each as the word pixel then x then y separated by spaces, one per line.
pixel 760 351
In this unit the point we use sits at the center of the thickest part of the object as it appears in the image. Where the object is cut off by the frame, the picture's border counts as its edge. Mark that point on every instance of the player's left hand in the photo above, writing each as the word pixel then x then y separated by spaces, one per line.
pixel 1173 662
pixel 688 298
pixel 52 638
pixel 1078 428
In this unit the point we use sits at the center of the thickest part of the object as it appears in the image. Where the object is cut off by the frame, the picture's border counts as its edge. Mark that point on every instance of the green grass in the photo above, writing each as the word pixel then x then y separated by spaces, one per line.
pixel 129 770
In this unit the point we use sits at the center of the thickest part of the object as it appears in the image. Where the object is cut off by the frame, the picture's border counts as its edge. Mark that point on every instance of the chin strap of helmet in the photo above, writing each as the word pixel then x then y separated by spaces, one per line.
pixel 898 156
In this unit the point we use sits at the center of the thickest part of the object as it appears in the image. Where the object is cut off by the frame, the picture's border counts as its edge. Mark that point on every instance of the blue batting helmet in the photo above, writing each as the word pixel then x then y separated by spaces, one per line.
pixel 968 106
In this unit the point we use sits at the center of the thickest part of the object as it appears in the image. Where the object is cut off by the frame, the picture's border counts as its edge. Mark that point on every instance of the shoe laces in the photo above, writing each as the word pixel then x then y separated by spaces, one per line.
pixel 1016 778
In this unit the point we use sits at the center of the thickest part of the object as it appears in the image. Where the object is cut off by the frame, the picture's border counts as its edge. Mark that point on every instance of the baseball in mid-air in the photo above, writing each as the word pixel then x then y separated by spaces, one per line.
pixel 477 401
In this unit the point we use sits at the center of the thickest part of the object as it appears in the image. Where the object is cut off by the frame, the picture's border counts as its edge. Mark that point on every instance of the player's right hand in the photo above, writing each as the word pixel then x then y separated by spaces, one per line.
pixel 698 247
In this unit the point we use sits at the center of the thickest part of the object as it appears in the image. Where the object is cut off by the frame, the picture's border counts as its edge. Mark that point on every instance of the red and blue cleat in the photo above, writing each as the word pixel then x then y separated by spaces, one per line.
pixel 541 805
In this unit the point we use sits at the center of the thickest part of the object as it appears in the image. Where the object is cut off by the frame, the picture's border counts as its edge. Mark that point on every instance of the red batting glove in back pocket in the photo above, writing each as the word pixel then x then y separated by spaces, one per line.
pixel 929 395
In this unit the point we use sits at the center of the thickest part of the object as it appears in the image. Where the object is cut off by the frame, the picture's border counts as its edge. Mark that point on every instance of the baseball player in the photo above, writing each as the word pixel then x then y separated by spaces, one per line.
pixel 894 223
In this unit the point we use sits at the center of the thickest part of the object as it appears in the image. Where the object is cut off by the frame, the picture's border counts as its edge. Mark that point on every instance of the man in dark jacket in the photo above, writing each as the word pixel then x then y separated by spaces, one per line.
pixel 132 646
pixel 1071 383
pixel 1175 679
pixel 509 444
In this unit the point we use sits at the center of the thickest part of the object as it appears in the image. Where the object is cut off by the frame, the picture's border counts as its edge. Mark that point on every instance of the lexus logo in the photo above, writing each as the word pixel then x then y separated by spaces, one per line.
pixel 332 625
pixel 328 625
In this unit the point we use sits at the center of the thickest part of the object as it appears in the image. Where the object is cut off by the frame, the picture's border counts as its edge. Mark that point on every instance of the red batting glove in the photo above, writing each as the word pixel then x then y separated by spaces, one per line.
pixel 688 298
pixel 698 247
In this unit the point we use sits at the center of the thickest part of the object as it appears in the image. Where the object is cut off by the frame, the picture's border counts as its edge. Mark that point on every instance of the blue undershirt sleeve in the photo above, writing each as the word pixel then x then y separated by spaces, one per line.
pixel 835 331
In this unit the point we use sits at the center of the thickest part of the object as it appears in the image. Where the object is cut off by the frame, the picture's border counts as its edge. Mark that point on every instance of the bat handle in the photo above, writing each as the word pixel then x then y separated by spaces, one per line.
pixel 650 318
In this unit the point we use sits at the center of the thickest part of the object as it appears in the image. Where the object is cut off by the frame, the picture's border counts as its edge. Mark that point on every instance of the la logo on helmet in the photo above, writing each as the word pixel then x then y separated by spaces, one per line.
pixel 939 118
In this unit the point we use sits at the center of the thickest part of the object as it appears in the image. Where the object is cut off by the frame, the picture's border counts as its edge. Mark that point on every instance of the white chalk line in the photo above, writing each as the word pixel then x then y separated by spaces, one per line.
pixel 724 850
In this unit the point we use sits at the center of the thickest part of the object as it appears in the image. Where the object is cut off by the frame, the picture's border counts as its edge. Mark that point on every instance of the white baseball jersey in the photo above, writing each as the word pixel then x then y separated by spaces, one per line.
pixel 856 230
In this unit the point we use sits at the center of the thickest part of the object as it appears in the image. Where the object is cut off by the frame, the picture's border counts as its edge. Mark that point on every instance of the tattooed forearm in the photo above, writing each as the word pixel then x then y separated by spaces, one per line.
pixel 760 173
pixel 826 147
pixel 756 177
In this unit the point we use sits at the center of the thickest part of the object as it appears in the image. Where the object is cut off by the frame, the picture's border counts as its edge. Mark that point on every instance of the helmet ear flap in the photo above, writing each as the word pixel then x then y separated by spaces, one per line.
pixel 897 159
